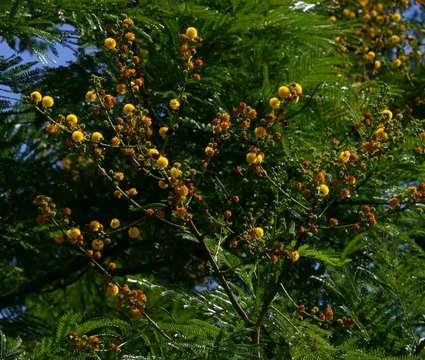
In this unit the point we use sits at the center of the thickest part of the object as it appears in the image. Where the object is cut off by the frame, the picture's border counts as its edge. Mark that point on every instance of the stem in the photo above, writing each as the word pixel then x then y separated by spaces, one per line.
pixel 241 312
pixel 266 305
pixel 286 193
pixel 156 326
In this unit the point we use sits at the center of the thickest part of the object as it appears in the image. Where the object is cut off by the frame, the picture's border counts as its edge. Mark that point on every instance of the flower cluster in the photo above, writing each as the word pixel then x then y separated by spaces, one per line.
pixel 386 42
pixel 218 179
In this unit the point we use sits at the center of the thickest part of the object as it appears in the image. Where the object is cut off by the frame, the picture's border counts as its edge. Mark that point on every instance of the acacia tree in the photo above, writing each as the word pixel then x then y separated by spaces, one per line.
pixel 277 205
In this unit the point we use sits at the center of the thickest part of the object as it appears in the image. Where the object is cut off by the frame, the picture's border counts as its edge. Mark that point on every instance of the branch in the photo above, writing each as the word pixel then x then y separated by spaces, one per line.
pixel 241 312
pixel 266 305
pixel 306 104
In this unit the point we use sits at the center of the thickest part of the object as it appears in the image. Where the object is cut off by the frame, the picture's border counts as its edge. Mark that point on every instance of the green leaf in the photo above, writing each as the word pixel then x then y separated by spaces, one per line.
pixel 326 257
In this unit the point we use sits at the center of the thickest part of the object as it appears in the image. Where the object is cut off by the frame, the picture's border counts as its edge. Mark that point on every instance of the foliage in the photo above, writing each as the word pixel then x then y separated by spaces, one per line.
pixel 299 212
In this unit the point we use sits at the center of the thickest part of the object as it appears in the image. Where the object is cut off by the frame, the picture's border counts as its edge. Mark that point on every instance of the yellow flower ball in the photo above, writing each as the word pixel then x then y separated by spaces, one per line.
pixel 191 33
pixel 119 176
pixel 113 289
pixel 162 162
pixel 260 158
pixel 128 109
pixel 324 190
pixel 175 172
pixel 90 96
pixel 73 233
pixel 294 255
pixel 274 103
pixel 97 244
pixel 110 43
pixel 163 131
pixel 47 102
pixel 388 114
pixel 72 119
pixel 95 226
pixel 380 134
pixel 395 39
pixel 251 157
pixel 260 132
pixel 36 97
pixel 132 192
pixel 344 157
pixel 396 17
pixel 209 151
pixel 130 36
pixel 153 152
pixel 133 232
pixel 115 223
pixel 284 91
pixel 96 137
pixel 371 55
pixel 377 65
pixel 182 190
pixel 397 62
pixel 77 136
pixel 162 184
pixel 258 232
pixel 174 104
pixel 297 89
pixel 121 89
pixel 332 19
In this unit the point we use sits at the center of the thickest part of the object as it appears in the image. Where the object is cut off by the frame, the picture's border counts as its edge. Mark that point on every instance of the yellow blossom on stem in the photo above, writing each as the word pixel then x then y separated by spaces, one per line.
pixel 324 190
pixel 162 162
pixel 209 151
pixel 274 103
pixel 294 255
pixel 163 131
pixel 251 157
pixel 133 232
pixel 297 88
pixel 344 157
pixel 77 136
pixel 191 33
pixel 130 36
pixel 97 244
pixel 132 192
pixel 128 109
pixel 258 232
pixel 110 43
pixel 90 96
pixel 119 176
pixel 47 102
pixel 174 104
pixel 96 137
pixel 36 97
pixel 73 233
pixel 72 119
pixel 388 114
pixel 121 89
pixel 260 132
pixel 95 226
pixel 284 91
pixel 113 289
pixel 175 172
pixel 115 223
pixel 370 55
pixel 153 152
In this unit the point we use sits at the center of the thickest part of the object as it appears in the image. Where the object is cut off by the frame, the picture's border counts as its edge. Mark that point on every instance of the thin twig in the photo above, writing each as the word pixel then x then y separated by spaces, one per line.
pixel 241 312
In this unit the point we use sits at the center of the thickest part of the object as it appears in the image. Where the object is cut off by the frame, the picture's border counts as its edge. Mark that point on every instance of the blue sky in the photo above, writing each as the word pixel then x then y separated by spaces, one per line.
pixel 50 60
